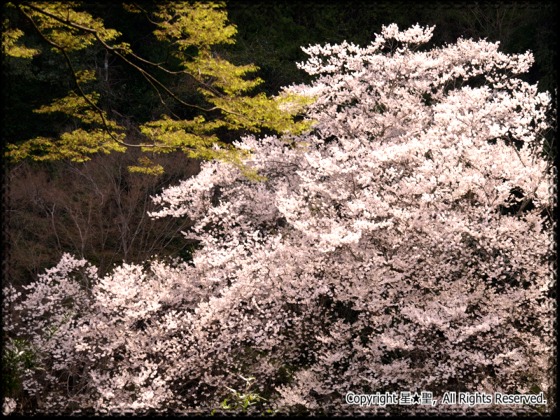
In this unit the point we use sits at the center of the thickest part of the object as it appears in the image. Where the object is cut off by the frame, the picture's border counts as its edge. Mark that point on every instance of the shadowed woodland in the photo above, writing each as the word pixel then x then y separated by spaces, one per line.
pixel 97 209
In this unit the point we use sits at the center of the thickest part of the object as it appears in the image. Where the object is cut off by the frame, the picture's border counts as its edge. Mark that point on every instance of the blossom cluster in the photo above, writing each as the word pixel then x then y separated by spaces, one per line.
pixel 382 251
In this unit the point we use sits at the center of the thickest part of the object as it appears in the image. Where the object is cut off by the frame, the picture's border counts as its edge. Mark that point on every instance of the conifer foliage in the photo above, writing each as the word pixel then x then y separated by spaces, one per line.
pixel 372 255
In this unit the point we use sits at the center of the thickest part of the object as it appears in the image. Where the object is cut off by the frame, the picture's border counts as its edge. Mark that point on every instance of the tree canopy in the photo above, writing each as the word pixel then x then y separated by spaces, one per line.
pixel 201 95
pixel 400 245
pixel 398 238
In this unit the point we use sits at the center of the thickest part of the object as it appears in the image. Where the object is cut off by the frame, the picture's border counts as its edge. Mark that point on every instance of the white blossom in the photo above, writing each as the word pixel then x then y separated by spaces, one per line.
pixel 382 252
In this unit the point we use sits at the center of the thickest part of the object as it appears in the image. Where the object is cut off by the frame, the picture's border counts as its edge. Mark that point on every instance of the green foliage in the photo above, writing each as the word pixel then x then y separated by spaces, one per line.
pixel 241 401
pixel 146 166
pixel 200 24
pixel 78 144
pixel 11 46
pixel 217 97
pixel 17 357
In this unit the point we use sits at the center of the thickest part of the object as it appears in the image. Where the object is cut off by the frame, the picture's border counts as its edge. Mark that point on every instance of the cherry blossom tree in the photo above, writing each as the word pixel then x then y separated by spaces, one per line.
pixel 402 244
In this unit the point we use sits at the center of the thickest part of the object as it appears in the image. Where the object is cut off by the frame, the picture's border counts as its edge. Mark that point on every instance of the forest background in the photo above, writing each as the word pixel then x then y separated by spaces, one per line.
pixel 97 209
